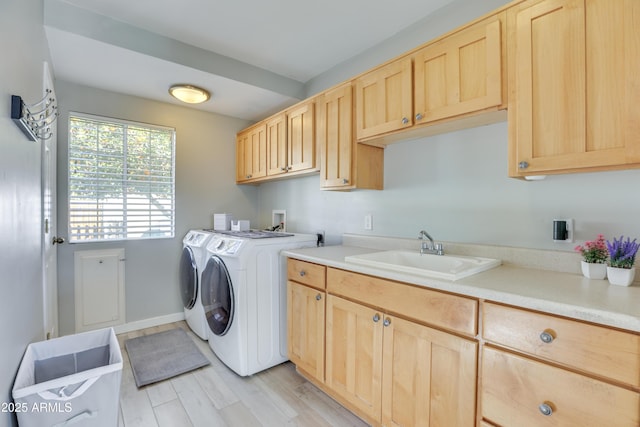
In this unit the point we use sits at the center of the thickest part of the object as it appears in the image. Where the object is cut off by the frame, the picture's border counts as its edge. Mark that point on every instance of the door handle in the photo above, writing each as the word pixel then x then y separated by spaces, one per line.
pixel 58 240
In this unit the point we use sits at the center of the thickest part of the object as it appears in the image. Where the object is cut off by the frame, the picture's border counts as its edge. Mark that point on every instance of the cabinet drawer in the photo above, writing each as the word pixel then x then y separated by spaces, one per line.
pixel 435 308
pixel 602 351
pixel 514 389
pixel 306 273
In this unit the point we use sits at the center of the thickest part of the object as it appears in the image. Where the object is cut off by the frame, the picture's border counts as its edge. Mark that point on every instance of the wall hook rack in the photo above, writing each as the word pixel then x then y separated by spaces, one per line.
pixel 35 120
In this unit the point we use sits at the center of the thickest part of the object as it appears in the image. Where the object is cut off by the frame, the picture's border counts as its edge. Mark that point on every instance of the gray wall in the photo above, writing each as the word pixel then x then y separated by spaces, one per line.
pixel 205 183
pixel 455 185
pixel 23 50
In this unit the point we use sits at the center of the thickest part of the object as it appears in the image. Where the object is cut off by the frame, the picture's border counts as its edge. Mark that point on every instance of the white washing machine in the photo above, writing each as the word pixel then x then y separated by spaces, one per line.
pixel 192 263
pixel 244 294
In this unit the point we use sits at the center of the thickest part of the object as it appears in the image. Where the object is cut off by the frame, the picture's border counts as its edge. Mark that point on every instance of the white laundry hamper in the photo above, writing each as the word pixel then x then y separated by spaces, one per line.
pixel 71 380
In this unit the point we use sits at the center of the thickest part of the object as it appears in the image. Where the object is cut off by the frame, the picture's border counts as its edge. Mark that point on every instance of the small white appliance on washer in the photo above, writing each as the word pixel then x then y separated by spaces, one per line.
pixel 244 294
pixel 192 263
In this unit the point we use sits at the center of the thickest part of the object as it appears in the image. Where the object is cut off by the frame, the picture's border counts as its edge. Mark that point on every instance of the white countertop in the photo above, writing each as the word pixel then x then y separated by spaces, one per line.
pixel 564 294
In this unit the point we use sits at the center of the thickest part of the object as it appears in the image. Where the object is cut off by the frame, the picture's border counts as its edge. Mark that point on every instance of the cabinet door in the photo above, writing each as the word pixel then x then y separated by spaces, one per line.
pixel 574 105
pixel 305 323
pixel 384 100
pixel 335 137
pixel 459 74
pixel 517 391
pixel 251 157
pixel 354 354
pixel 429 377
pixel 301 138
pixel 277 145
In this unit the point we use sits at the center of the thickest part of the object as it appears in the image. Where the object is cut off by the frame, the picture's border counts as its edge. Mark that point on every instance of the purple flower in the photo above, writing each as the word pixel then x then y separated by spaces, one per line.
pixel 622 253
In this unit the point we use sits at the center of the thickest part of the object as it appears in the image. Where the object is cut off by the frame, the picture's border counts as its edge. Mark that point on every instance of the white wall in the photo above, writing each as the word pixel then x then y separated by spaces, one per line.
pixel 455 185
pixel 205 183
pixel 23 50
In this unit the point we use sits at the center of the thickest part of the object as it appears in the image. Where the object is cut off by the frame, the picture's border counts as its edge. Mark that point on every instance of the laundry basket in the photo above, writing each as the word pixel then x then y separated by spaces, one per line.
pixel 71 380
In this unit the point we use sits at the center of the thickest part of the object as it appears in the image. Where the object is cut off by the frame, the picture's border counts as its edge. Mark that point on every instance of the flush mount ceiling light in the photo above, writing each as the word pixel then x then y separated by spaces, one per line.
pixel 189 93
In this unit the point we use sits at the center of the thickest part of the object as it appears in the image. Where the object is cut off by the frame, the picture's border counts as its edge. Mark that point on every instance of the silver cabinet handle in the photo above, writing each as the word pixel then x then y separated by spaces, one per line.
pixel 523 165
pixel 283 169
pixel 57 240
pixel 546 337
pixel 248 176
pixel 418 116
pixel 405 120
pixel 303 273
pixel 387 321
pixel 376 318
pixel 545 409
pixel 318 297
pixel 345 181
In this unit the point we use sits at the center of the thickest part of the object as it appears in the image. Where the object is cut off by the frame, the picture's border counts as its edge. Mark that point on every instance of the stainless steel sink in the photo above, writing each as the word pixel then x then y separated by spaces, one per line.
pixel 450 267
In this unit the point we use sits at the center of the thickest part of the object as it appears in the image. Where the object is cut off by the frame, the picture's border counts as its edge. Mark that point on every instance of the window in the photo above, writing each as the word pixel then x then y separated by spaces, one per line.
pixel 121 180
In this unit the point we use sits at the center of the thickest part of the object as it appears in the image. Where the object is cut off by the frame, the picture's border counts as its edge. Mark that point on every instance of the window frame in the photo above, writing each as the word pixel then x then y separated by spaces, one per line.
pixel 126 124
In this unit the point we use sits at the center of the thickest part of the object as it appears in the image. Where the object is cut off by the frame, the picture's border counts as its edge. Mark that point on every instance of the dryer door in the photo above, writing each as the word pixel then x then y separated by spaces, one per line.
pixel 217 296
pixel 188 278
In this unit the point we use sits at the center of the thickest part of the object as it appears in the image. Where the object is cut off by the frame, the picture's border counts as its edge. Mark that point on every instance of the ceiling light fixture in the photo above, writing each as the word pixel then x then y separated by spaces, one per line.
pixel 189 93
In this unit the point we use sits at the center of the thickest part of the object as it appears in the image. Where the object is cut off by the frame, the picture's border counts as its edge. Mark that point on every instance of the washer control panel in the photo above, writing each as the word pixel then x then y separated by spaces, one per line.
pixel 223 245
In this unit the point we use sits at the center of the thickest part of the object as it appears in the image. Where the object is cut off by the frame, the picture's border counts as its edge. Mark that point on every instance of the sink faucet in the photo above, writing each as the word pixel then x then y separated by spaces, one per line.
pixel 429 247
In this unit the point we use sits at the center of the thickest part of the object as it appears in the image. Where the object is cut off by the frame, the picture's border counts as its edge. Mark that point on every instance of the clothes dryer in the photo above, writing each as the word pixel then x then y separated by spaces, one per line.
pixel 244 295
pixel 192 262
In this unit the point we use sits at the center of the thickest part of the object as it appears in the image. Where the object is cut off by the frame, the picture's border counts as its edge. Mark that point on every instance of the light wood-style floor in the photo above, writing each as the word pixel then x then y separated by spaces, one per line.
pixel 215 396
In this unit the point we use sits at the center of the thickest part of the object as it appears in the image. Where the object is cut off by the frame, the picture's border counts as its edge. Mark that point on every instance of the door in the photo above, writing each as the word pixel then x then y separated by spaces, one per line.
pixel 49 223
pixel 301 138
pixel 429 376
pixel 277 145
pixel 384 100
pixel 460 74
pixel 335 137
pixel 354 354
pixel 217 296
pixel 188 278
pixel 305 308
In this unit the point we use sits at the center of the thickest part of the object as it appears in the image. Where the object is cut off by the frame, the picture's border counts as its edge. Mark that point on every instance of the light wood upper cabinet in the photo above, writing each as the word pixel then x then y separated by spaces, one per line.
pixel 301 138
pixel 574 87
pixel 461 73
pixel 344 164
pixel 384 99
pixel 277 145
pixel 251 153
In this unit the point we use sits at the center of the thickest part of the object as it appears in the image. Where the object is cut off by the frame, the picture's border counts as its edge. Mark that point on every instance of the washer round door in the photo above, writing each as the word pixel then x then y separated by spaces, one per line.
pixel 188 278
pixel 217 296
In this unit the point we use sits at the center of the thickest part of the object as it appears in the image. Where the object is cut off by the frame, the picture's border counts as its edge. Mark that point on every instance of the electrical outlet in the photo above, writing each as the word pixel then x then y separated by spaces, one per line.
pixel 368 222
pixel 320 241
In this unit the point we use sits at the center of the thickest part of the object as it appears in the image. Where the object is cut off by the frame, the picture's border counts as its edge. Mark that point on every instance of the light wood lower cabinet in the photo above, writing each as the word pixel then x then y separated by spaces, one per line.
pixel 305 328
pixel 517 391
pixel 396 372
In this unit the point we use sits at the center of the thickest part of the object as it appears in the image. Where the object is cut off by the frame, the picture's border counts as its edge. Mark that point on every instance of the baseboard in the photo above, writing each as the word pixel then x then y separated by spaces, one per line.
pixel 148 323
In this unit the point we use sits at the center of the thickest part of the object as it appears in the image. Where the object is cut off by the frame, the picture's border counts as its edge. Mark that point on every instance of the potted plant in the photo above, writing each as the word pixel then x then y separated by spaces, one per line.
pixel 622 255
pixel 594 258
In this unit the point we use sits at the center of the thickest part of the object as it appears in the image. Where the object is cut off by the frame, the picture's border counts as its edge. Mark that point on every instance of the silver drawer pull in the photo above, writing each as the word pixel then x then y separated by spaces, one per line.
pixel 387 321
pixel 303 273
pixel 318 297
pixel 545 409
pixel 376 318
pixel 546 337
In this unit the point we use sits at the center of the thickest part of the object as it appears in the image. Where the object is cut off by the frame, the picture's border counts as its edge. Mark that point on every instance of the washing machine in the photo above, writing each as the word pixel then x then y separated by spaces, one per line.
pixel 192 263
pixel 244 294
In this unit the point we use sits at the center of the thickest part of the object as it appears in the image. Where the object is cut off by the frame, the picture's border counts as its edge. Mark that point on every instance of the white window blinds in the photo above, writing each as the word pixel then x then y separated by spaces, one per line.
pixel 121 180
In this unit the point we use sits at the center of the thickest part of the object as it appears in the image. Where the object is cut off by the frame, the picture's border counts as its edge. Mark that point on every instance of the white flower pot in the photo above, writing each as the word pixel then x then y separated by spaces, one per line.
pixel 621 276
pixel 593 271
